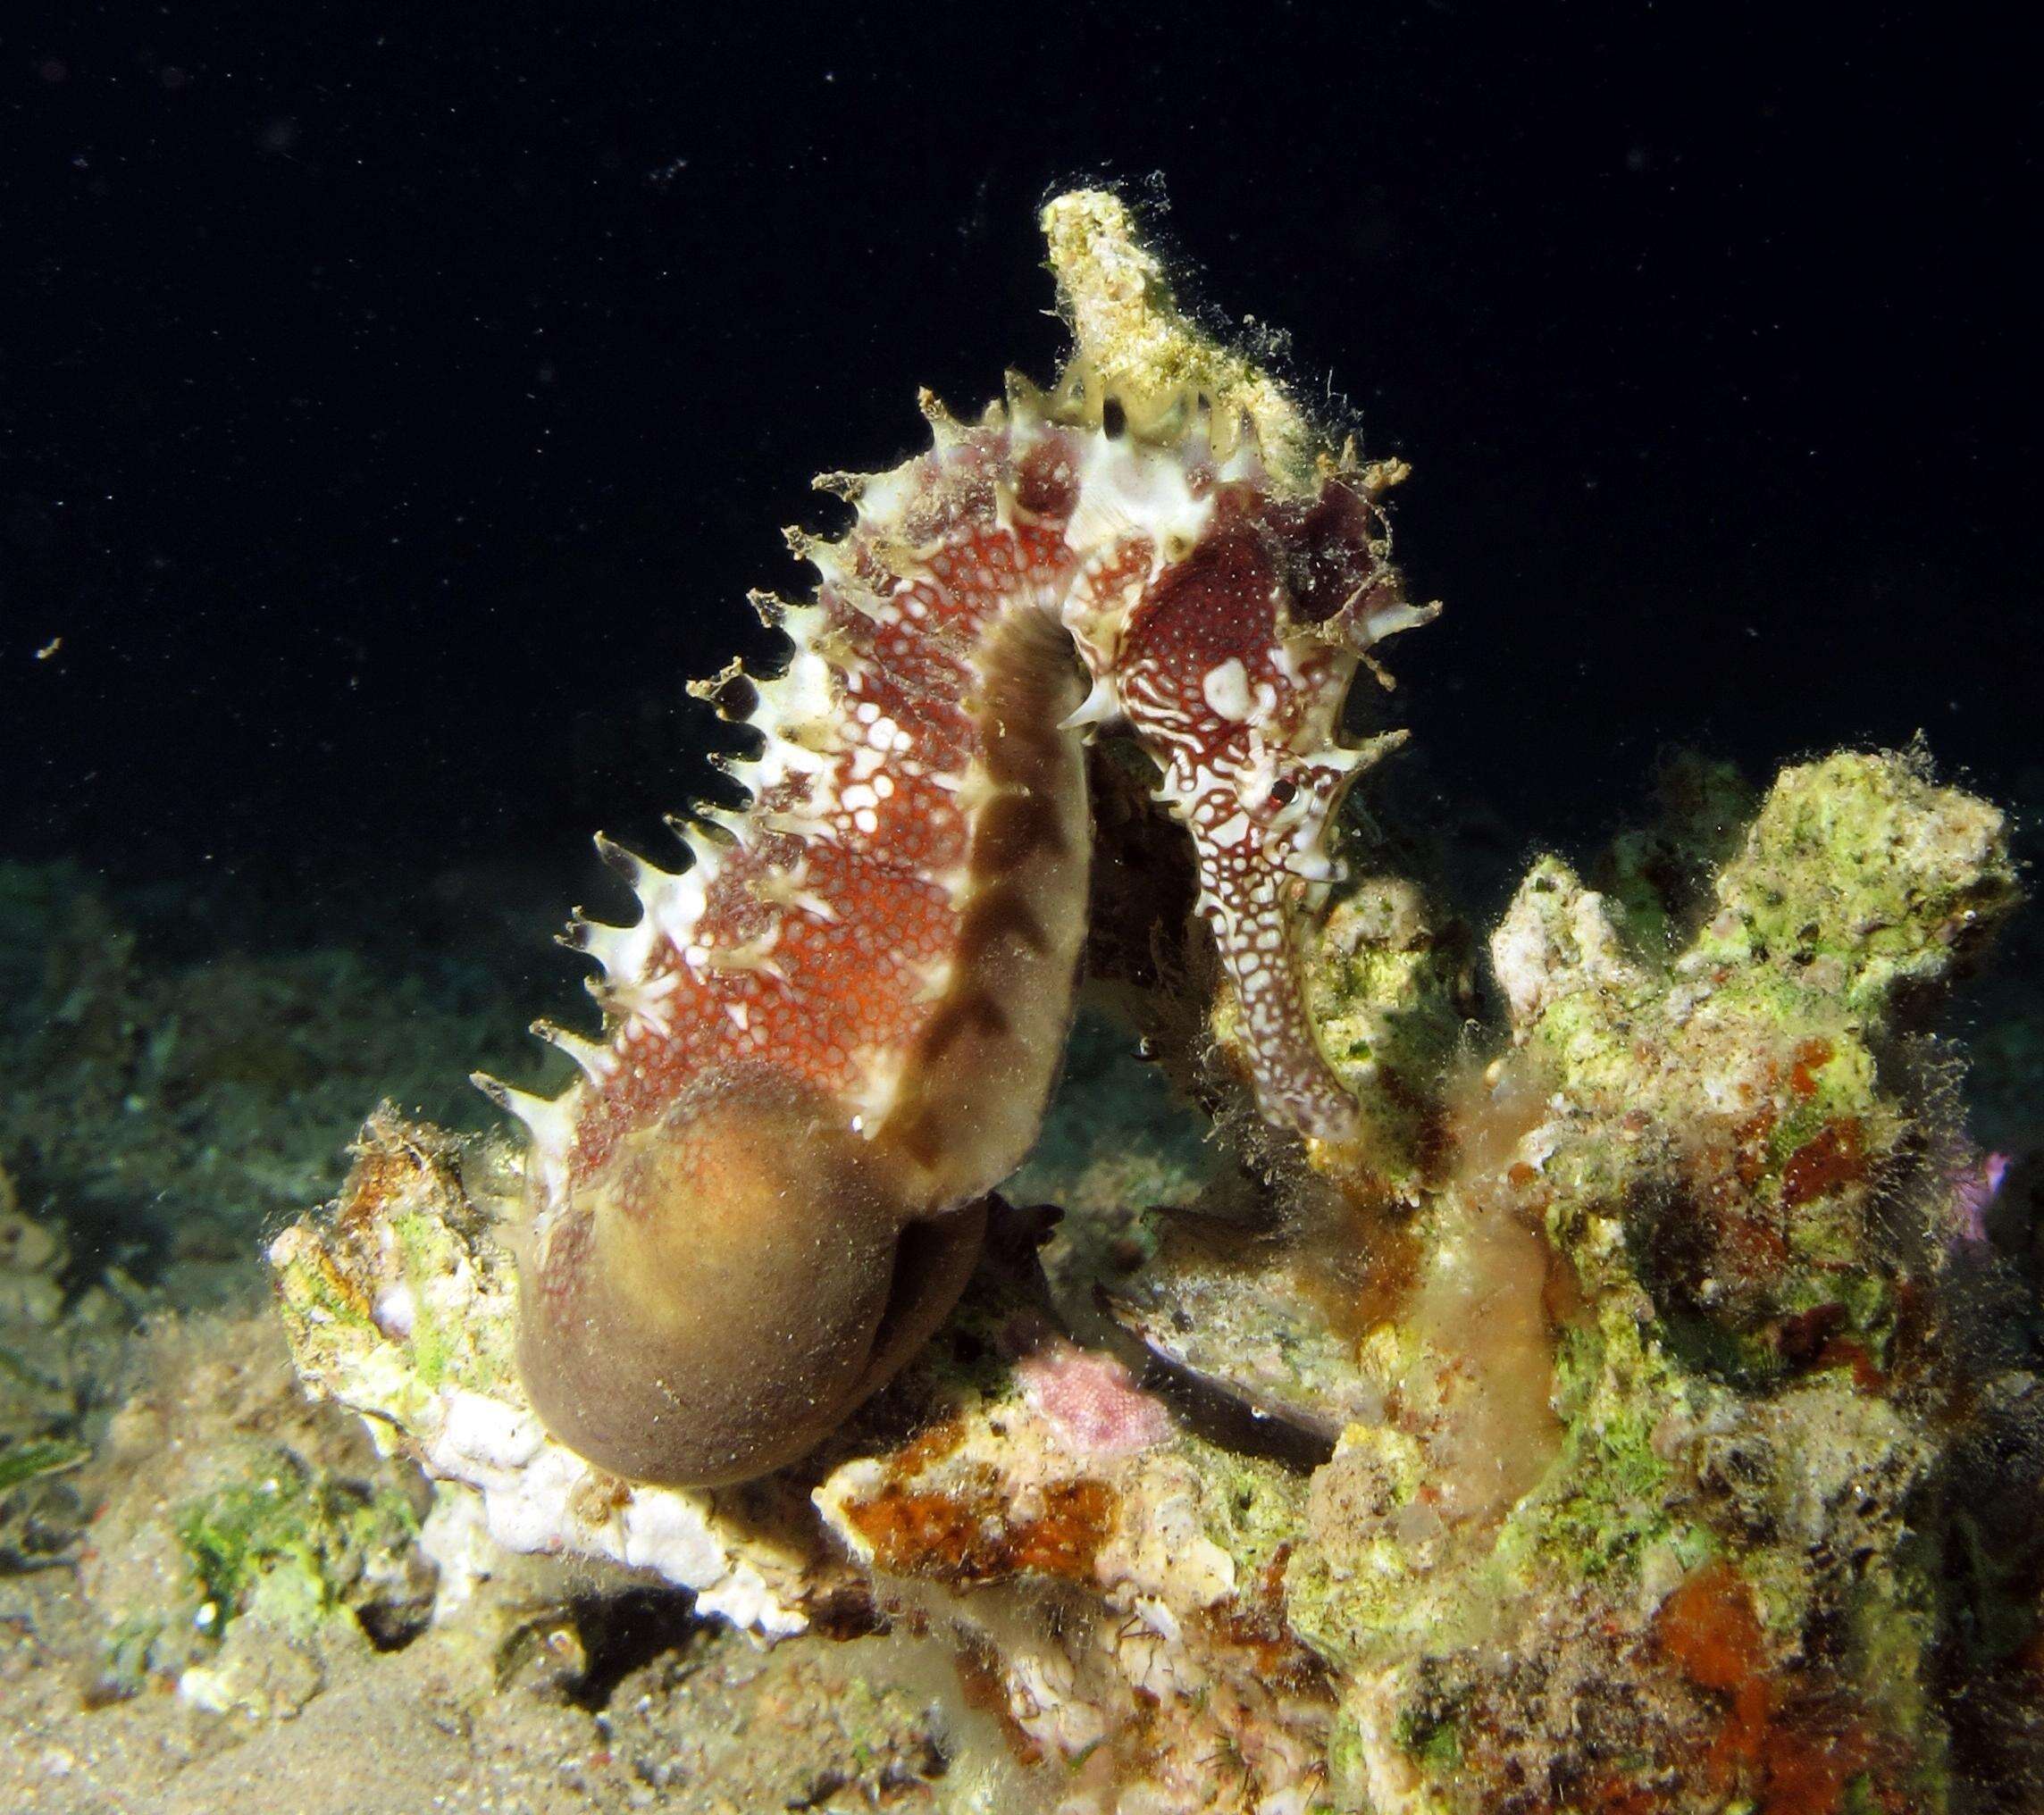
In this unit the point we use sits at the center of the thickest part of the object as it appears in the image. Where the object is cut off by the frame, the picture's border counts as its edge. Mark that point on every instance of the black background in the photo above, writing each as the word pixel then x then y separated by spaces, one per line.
pixel 397 402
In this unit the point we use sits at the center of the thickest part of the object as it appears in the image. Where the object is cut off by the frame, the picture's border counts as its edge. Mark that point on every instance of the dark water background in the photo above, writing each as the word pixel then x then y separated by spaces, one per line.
pixel 397 401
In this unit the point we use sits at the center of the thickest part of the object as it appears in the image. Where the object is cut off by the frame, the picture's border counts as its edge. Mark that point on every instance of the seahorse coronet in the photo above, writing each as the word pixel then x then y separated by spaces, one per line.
pixel 834 1028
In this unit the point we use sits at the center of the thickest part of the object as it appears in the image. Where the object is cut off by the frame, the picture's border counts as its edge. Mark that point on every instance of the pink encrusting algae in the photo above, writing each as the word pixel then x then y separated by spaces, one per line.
pixel 1091 1399
pixel 834 1031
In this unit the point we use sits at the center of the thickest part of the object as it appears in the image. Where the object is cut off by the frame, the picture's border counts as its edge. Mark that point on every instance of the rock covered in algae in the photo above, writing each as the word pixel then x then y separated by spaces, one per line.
pixel 244 1543
pixel 1701 1572
pixel 50 1350
pixel 1116 1599
pixel 400 1303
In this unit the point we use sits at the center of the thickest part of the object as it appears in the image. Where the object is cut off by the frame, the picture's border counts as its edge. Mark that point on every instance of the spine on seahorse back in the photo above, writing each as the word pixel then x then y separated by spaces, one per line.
pixel 836 1029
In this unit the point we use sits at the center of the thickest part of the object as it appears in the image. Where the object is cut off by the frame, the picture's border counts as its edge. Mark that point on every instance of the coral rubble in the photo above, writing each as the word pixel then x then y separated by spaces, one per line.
pixel 402 1307
pixel 1714 1576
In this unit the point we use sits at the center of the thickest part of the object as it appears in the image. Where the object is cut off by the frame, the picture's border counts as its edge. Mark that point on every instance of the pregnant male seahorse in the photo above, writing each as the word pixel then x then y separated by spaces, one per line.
pixel 828 1036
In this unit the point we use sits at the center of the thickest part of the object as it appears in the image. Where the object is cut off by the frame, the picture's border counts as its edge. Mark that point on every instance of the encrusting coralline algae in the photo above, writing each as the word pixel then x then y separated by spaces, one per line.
pixel 1554 1413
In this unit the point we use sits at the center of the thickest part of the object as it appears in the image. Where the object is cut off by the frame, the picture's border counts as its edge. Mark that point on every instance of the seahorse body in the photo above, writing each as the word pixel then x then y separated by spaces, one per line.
pixel 829 1035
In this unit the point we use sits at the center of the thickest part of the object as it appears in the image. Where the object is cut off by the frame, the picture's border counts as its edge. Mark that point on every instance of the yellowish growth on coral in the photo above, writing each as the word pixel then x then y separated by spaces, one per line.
pixel 1130 332
pixel 1480 1311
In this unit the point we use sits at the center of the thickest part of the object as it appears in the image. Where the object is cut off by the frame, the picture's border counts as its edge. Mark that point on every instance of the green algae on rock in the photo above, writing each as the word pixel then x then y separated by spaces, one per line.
pixel 1746 1367
pixel 244 1540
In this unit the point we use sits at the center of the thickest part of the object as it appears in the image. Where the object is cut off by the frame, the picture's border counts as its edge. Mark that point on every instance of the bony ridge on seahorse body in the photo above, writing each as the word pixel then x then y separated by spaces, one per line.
pixel 827 1037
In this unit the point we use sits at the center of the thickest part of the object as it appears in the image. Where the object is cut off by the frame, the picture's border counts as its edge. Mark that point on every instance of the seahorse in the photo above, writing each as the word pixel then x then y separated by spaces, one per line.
pixel 834 1031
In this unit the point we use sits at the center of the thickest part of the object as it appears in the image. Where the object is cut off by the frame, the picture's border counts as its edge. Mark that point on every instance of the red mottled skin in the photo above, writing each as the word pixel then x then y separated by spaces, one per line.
pixel 1259 592
pixel 817 927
